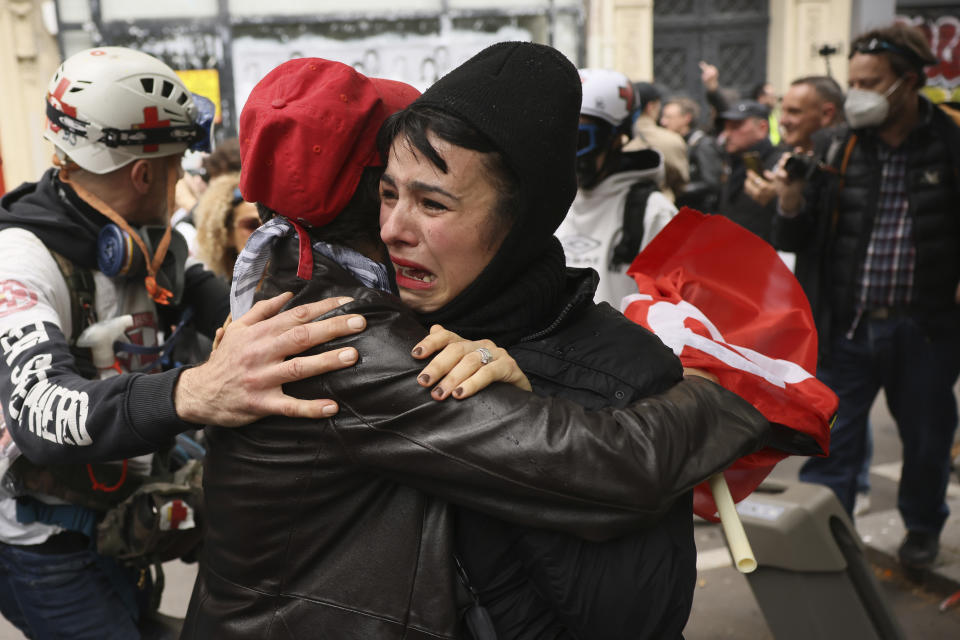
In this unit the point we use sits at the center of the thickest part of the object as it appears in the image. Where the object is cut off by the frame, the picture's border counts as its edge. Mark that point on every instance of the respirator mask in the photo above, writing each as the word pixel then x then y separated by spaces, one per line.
pixel 868 108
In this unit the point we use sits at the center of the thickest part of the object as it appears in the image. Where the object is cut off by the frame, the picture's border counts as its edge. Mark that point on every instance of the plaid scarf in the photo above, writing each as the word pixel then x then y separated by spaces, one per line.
pixel 252 261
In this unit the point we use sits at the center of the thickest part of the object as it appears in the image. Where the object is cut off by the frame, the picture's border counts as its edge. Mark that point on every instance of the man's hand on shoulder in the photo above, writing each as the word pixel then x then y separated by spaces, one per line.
pixel 241 382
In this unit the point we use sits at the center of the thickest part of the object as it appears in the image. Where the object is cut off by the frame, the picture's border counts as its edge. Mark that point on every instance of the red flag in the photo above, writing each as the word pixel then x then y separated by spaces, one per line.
pixel 725 302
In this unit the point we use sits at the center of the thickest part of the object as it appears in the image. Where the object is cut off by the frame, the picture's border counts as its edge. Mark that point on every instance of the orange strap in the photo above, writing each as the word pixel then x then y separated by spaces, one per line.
pixel 851 143
pixel 847 152
pixel 159 294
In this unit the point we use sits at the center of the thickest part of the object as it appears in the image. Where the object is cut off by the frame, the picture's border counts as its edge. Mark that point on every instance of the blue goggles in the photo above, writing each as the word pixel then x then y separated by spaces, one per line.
pixel 206 112
pixel 588 138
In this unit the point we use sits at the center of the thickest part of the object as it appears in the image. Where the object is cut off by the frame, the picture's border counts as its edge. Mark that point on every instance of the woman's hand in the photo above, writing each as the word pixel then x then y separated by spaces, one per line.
pixel 458 369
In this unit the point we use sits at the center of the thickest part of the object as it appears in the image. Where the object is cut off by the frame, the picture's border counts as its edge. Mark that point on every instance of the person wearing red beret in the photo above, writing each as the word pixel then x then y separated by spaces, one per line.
pixel 346 527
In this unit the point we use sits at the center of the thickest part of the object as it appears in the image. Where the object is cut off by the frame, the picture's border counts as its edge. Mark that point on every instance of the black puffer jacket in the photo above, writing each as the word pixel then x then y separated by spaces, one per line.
pixel 342 528
pixel 830 250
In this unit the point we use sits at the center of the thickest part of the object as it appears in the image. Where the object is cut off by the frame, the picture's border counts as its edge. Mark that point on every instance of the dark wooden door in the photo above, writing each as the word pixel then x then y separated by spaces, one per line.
pixel 731 34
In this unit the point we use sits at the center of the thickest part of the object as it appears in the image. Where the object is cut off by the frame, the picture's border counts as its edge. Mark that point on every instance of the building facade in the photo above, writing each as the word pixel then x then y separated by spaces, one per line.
pixel 223 47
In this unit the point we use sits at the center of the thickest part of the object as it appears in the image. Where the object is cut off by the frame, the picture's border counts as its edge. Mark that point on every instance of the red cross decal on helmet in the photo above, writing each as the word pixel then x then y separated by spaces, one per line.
pixel 151 121
pixel 627 94
pixel 56 99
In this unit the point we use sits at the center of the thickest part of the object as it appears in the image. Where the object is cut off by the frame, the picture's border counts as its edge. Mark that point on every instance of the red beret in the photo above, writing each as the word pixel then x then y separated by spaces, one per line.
pixel 307 132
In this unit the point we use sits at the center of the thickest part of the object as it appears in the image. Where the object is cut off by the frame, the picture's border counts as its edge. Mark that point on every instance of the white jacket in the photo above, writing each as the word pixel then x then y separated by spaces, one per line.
pixel 594 224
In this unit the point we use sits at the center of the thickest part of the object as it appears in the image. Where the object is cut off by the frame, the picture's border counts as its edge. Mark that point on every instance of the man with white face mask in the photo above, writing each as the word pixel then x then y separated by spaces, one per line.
pixel 877 237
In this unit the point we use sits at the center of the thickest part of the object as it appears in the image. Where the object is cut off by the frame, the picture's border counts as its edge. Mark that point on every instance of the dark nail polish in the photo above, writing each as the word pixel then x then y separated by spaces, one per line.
pixel 417 351
pixel 423 379
pixel 458 391
pixel 438 391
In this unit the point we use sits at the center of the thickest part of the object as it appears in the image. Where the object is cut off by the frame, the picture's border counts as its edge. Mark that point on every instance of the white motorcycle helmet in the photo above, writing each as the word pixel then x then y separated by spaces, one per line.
pixel 109 106
pixel 607 95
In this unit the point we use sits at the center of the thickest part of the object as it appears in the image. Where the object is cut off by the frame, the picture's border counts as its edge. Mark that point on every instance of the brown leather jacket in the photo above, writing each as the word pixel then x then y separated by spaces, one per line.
pixel 342 529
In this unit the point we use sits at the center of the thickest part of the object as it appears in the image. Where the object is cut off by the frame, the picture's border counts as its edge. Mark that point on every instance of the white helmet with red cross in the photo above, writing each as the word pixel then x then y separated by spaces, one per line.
pixel 109 106
pixel 607 95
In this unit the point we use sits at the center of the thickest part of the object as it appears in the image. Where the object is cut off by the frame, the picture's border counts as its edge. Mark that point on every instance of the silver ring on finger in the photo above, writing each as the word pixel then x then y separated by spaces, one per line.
pixel 485 356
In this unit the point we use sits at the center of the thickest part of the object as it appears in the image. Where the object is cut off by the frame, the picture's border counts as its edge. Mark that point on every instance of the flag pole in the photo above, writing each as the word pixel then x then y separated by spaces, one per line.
pixel 737 541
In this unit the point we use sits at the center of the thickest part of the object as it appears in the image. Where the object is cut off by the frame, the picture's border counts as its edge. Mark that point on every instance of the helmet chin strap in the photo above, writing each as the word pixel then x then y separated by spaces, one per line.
pixel 159 294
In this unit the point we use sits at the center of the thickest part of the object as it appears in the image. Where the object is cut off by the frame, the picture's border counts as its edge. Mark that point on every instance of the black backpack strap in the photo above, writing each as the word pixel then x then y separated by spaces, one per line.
pixel 631 235
pixel 83 313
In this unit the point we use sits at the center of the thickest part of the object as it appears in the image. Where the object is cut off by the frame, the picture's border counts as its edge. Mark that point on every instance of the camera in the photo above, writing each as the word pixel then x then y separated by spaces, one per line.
pixel 800 166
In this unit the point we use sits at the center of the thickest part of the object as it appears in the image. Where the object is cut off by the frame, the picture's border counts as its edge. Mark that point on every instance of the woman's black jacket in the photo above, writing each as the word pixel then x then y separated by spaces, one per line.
pixel 539 584
pixel 342 528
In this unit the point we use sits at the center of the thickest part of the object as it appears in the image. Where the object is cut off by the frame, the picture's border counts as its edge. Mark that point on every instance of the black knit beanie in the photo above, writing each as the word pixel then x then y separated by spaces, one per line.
pixel 525 98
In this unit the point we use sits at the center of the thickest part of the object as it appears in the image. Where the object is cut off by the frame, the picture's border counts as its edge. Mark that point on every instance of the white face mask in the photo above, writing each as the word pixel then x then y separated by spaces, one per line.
pixel 868 108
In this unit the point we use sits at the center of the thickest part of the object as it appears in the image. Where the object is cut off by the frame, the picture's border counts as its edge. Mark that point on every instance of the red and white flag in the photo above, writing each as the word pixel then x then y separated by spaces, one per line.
pixel 725 302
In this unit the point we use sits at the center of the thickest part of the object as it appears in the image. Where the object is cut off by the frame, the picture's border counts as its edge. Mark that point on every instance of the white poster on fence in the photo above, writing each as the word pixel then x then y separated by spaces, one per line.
pixel 415 59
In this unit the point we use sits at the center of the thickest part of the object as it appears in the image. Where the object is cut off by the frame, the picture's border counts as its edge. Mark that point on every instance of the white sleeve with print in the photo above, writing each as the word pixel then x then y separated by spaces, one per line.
pixel 32 288
pixel 55 415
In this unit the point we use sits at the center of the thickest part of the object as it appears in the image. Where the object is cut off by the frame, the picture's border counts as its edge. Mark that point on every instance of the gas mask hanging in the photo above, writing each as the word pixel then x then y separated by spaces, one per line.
pixel 120 254
pixel 868 108
pixel 157 254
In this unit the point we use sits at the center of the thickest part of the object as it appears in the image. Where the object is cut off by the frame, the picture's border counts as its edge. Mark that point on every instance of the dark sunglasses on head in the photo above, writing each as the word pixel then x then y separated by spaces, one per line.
pixel 876 45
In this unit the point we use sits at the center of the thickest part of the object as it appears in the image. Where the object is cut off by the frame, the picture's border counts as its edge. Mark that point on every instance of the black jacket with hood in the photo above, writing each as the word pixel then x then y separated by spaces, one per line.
pixel 127 415
pixel 344 528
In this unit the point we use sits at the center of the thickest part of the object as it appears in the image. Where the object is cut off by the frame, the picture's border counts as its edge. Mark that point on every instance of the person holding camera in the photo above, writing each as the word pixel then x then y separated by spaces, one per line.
pixel 810 104
pixel 746 194
pixel 873 221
